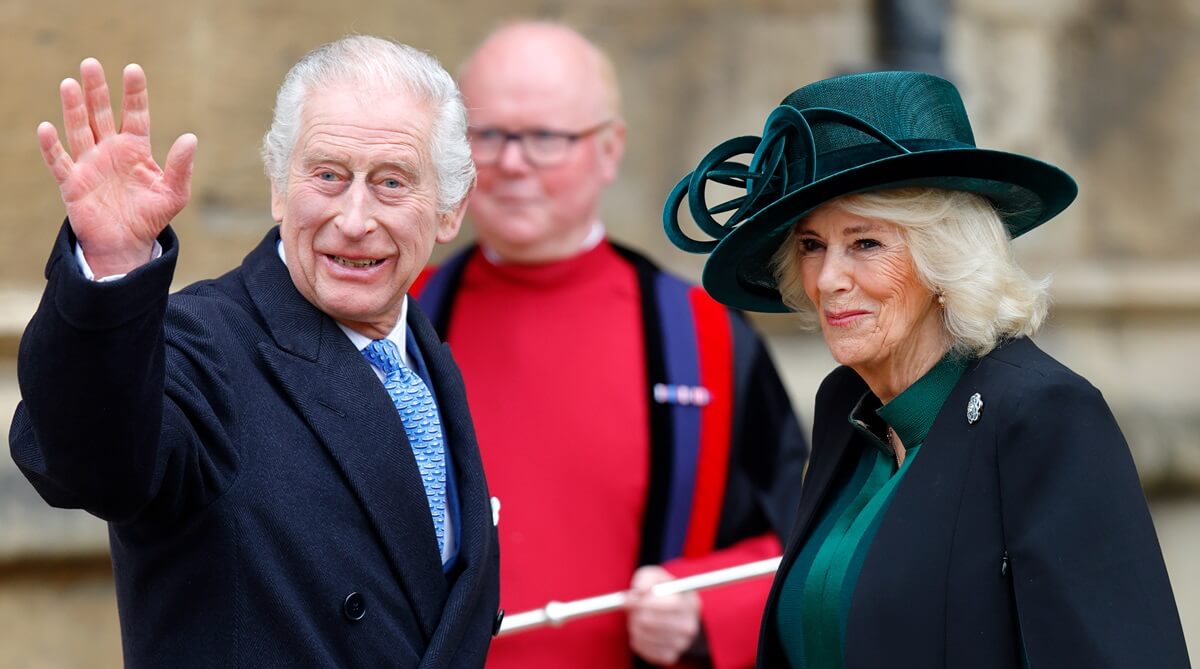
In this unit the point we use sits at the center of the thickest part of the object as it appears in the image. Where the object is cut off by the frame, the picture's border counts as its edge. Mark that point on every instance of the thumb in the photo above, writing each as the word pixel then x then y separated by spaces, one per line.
pixel 649 576
pixel 178 171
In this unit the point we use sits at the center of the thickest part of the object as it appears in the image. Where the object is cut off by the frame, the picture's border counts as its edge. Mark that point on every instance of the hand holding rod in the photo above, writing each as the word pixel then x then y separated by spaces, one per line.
pixel 556 613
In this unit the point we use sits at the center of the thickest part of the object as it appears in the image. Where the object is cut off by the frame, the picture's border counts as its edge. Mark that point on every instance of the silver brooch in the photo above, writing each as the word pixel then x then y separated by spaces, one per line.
pixel 974 406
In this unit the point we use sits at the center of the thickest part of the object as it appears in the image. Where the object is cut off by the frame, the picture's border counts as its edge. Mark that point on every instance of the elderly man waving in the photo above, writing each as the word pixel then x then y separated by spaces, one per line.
pixel 284 453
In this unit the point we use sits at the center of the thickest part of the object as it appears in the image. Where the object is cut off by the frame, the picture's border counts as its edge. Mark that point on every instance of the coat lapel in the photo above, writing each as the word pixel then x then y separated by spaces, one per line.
pixel 927 501
pixel 342 401
pixel 475 552
pixel 926 504
pixel 830 427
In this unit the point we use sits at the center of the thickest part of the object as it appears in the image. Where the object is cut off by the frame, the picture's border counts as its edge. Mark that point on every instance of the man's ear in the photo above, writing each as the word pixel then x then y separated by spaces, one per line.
pixel 450 222
pixel 611 143
pixel 278 202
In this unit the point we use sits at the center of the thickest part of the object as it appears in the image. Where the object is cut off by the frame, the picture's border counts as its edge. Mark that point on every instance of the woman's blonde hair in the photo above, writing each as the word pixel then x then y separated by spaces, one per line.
pixel 961 251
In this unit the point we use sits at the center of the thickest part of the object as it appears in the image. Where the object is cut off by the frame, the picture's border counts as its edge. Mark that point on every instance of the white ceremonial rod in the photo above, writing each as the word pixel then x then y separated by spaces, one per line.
pixel 556 613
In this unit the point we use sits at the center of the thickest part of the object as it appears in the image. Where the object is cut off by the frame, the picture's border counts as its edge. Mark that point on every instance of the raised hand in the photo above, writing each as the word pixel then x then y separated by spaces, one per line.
pixel 118 199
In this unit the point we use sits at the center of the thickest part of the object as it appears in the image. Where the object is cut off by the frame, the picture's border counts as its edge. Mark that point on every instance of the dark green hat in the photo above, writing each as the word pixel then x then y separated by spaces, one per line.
pixel 848 134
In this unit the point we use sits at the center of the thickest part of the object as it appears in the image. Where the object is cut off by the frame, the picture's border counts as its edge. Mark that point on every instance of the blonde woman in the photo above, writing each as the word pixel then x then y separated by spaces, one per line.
pixel 970 501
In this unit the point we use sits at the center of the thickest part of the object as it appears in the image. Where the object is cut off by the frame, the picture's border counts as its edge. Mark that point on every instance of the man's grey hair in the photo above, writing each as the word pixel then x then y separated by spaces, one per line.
pixel 372 62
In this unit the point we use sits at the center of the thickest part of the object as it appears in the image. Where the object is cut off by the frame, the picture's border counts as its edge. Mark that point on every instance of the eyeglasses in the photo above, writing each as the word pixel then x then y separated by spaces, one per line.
pixel 541 147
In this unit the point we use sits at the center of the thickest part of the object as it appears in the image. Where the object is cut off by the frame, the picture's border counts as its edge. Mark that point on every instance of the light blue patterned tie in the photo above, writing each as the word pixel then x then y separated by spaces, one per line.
pixel 419 414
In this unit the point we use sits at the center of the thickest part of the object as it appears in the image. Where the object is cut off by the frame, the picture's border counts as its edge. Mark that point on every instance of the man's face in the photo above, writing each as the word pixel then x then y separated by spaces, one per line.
pixel 526 212
pixel 359 218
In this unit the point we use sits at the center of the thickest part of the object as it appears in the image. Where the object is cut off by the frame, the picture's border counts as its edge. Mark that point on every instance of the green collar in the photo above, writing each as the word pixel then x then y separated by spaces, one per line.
pixel 912 412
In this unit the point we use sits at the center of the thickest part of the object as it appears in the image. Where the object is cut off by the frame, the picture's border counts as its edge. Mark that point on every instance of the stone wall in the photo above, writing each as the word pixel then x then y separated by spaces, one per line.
pixel 1107 89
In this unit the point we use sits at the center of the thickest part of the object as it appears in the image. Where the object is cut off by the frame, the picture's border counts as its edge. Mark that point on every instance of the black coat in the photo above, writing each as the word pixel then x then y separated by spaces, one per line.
pixel 1025 528
pixel 253 471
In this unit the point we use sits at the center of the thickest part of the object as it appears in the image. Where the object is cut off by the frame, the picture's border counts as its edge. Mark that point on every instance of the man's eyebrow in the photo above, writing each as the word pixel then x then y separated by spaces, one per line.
pixel 311 160
pixel 399 165
pixel 323 157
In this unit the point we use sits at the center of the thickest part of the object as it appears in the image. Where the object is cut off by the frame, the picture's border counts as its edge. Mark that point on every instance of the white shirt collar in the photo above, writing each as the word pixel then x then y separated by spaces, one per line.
pixel 595 235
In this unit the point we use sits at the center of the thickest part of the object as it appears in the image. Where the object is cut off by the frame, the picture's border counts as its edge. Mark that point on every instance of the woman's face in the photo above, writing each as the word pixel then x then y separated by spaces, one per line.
pixel 874 311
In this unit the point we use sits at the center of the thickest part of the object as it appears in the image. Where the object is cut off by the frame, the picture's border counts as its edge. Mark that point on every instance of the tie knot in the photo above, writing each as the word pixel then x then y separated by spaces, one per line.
pixel 384 354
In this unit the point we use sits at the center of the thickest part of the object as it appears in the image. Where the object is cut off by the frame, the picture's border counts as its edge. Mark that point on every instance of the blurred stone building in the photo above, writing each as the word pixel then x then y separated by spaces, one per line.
pixel 1107 89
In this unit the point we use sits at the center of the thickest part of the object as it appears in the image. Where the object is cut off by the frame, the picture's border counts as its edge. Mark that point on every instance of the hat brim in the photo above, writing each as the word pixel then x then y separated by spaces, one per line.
pixel 1026 192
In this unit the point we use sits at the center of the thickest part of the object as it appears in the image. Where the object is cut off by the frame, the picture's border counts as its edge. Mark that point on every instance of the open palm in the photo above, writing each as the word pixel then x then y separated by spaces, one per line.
pixel 118 199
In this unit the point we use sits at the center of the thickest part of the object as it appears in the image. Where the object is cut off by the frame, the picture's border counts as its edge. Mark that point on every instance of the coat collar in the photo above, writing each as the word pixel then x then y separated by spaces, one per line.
pixel 923 494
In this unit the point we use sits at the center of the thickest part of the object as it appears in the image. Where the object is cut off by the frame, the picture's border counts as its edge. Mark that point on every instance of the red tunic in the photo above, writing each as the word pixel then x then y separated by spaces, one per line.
pixel 554 363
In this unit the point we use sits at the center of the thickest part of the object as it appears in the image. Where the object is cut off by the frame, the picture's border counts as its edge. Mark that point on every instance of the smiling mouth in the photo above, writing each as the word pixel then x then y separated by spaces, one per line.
pixel 358 264
pixel 843 317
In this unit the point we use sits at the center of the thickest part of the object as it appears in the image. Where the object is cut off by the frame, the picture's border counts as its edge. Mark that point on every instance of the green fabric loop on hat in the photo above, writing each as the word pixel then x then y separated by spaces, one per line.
pixel 848 134
pixel 717 158
pixel 671 221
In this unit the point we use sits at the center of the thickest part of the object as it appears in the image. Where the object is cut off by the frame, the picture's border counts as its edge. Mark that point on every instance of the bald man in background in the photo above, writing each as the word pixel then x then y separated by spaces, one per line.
pixel 633 429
